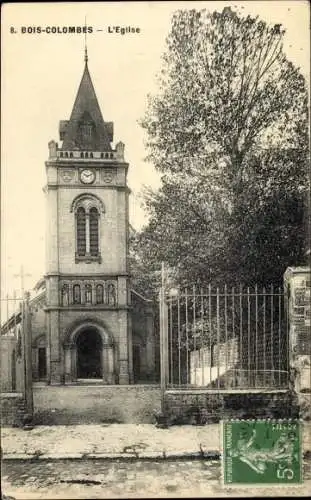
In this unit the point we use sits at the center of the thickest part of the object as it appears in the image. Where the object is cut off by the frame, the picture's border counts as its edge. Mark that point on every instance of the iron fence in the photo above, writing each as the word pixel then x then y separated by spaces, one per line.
pixel 225 338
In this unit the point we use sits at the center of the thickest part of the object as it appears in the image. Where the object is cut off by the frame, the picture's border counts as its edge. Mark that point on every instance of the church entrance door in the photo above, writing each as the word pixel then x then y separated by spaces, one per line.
pixel 89 351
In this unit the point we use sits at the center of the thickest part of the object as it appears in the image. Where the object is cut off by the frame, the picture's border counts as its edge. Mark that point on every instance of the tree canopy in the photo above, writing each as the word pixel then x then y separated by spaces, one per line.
pixel 228 131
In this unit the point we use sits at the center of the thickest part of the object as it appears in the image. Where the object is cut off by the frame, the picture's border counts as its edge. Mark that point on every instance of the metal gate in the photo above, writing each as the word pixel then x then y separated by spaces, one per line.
pixel 224 338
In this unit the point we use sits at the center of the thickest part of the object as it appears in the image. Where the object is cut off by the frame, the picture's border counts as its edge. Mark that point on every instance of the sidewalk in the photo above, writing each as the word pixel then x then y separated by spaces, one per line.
pixel 116 441
pixel 109 441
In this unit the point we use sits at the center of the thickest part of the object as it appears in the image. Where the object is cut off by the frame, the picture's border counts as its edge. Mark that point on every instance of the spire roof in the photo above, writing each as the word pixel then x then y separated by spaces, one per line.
pixel 86 129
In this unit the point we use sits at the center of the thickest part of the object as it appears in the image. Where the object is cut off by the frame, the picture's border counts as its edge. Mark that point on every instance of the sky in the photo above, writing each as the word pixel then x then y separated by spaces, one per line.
pixel 40 78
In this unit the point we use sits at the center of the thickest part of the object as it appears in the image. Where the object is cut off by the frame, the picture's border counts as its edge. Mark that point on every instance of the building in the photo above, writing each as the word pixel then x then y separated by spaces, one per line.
pixel 87 324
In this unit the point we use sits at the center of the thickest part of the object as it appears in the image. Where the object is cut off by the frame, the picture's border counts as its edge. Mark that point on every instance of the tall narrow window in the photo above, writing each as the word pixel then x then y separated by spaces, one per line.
pixel 93 231
pixel 88 294
pixel 42 362
pixel 87 209
pixel 99 294
pixel 76 294
pixel 81 231
pixel 86 130
pixel 111 294
pixel 65 295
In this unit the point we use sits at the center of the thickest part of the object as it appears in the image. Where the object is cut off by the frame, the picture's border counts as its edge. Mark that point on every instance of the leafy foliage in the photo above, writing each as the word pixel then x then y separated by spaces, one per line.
pixel 228 132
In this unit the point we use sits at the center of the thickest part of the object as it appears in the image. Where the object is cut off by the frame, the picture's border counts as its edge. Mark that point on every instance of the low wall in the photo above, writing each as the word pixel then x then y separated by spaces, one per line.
pixel 201 407
pixel 12 409
pixel 83 404
pixel 203 371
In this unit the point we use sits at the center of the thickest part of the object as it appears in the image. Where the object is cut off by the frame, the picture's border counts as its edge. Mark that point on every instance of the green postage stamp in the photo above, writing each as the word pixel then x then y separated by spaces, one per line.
pixel 261 452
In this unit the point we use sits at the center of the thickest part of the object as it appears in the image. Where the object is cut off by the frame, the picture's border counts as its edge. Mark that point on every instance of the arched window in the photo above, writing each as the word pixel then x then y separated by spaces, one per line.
pixel 111 294
pixel 99 294
pixel 76 294
pixel 88 294
pixel 94 231
pixel 65 295
pixel 88 209
pixel 81 231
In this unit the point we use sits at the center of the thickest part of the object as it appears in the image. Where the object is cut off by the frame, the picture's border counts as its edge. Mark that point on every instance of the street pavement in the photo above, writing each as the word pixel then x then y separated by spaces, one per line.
pixel 123 461
pixel 66 479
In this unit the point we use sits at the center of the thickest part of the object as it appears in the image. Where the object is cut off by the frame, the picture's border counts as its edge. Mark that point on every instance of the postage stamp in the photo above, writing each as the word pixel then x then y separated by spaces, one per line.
pixel 260 452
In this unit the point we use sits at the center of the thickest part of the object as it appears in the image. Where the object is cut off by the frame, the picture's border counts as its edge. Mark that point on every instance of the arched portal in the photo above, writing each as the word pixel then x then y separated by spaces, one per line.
pixel 89 354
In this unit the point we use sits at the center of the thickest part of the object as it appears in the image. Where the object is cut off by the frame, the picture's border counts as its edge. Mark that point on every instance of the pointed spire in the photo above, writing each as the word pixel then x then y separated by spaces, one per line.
pixel 85 44
pixel 86 129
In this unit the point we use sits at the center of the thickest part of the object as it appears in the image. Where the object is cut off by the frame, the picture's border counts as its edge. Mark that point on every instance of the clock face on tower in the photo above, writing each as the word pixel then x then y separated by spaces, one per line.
pixel 87 176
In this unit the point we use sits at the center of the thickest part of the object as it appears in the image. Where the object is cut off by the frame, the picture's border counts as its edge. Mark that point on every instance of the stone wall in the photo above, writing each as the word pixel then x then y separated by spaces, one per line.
pixel 7 344
pixel 297 284
pixel 205 368
pixel 12 365
pixel 12 409
pixel 60 405
pixel 201 407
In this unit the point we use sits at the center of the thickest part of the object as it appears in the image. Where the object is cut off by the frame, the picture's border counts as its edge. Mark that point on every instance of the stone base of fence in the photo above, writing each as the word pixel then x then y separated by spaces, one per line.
pixel 199 408
pixel 13 409
pixel 95 404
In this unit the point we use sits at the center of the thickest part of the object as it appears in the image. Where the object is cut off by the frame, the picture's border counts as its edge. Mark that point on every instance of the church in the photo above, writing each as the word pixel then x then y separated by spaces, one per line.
pixel 87 324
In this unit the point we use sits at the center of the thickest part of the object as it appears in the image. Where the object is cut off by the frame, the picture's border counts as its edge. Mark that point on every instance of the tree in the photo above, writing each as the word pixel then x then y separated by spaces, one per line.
pixel 228 133
pixel 225 82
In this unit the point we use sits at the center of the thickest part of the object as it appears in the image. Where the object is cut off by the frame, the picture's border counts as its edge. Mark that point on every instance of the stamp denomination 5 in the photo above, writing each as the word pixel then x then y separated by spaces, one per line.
pixel 258 452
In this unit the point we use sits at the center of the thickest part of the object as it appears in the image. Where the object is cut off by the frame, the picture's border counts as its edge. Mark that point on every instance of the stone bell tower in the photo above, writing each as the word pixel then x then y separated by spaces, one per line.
pixel 87 286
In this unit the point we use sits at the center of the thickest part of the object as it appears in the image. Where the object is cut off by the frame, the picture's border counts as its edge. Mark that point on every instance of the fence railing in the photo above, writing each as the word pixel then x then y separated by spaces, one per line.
pixel 225 338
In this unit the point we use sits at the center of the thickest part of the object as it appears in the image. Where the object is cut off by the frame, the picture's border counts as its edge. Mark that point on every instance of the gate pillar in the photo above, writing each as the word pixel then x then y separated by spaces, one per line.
pixel 297 284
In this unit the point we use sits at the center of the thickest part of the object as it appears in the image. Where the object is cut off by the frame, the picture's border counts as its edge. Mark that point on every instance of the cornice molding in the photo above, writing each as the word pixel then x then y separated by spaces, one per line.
pixel 92 187
pixel 85 163
pixel 94 308
pixel 87 276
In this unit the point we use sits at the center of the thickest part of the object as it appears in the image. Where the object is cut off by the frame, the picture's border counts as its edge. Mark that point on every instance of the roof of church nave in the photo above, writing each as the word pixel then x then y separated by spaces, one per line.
pixel 86 112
